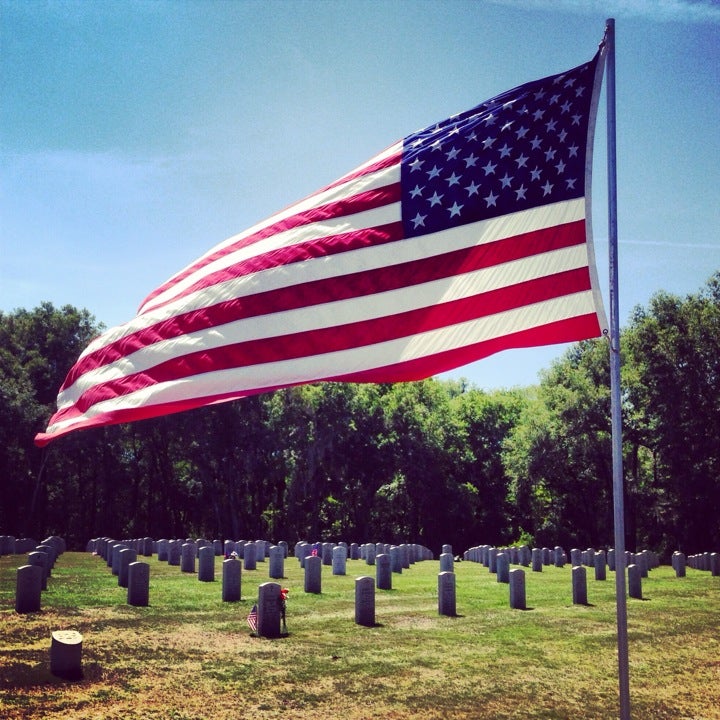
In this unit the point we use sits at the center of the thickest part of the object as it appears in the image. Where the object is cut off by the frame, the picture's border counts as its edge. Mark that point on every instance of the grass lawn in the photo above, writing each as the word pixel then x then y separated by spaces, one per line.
pixel 189 656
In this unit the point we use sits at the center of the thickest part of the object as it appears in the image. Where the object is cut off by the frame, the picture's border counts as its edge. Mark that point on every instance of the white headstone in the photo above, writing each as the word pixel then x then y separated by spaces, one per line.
pixel 517 589
pixel 502 562
pixel 600 565
pixel 634 581
pixel 313 574
pixel 579 585
pixel 187 557
pixel 446 594
pixel 41 560
pixel 138 584
pixel 231 574
pixel 277 562
pixel 28 584
pixel 365 601
pixel 383 572
pixel 537 560
pixel 269 610
pixel 250 556
pixel 339 560
pixel 126 556
pixel 206 564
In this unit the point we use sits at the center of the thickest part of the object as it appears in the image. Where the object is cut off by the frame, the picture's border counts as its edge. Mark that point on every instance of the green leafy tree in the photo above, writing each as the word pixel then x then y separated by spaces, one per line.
pixel 674 396
pixel 559 456
pixel 421 433
pixel 37 348
pixel 485 420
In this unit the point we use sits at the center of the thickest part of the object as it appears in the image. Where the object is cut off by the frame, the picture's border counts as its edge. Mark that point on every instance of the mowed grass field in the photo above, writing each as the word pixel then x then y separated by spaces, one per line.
pixel 189 656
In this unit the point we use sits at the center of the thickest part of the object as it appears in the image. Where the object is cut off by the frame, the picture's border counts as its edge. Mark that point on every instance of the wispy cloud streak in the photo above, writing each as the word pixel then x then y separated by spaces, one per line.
pixel 681 11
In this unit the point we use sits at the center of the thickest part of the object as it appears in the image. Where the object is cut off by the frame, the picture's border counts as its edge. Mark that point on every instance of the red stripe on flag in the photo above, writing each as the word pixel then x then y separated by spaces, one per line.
pixel 301 252
pixel 341 337
pixel 369 169
pixel 361 202
pixel 562 331
pixel 336 288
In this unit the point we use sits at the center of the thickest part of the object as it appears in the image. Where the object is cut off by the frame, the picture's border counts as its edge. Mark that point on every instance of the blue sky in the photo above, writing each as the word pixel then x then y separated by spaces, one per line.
pixel 135 135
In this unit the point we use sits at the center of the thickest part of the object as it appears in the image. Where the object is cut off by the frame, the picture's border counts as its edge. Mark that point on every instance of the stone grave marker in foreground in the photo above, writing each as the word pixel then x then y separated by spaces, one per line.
pixel 138 584
pixel 383 572
pixel 313 574
pixel 206 564
pixel 365 601
pixel 28 588
pixel 517 589
pixel 66 654
pixel 269 610
pixel 446 594
pixel 277 562
pixel 634 581
pixel 231 574
pixel 579 585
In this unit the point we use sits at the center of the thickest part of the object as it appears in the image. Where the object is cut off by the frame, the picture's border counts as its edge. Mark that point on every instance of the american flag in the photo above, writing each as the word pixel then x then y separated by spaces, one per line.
pixel 464 239
pixel 252 619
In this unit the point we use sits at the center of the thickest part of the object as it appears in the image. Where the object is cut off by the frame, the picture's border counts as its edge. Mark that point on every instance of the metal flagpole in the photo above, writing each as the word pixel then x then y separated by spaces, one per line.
pixel 615 409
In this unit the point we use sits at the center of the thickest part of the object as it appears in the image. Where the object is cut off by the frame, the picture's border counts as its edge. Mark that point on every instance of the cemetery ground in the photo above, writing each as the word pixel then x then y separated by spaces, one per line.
pixel 190 656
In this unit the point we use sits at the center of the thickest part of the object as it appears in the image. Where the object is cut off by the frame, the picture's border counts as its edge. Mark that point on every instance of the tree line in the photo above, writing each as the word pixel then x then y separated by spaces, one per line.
pixel 431 462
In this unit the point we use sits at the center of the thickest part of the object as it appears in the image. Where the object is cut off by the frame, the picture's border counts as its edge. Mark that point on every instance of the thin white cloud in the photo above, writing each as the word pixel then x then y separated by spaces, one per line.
pixel 680 11
pixel 672 244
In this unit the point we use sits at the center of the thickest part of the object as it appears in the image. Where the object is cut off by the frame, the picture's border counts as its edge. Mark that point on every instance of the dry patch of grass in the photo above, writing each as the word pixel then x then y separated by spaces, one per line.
pixel 189 656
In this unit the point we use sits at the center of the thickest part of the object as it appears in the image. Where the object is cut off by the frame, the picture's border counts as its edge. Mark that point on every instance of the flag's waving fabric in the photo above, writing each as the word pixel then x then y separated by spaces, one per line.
pixel 466 238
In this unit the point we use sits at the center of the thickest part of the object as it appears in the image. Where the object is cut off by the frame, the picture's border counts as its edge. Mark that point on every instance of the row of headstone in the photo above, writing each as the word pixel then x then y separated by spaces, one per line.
pixel 522 555
pixel 183 554
pixel 402 556
pixel 447 591
pixel 538 558
pixel 487 555
pixel 31 579
pixel 169 550
pixel 147 547
pixel 390 559
pixel 10 545
pixel 707 561
pixel 313 571
pixel 638 565
pixel 122 560
pixel 498 562
pixel 579 579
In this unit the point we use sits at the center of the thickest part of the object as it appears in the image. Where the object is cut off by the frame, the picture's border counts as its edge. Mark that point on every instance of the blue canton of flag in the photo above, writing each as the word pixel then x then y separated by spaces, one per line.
pixel 522 149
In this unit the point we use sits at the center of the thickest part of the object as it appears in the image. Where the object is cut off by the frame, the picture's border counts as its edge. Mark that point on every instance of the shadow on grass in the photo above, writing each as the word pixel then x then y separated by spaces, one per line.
pixel 282 636
pixel 585 604
pixel 26 675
